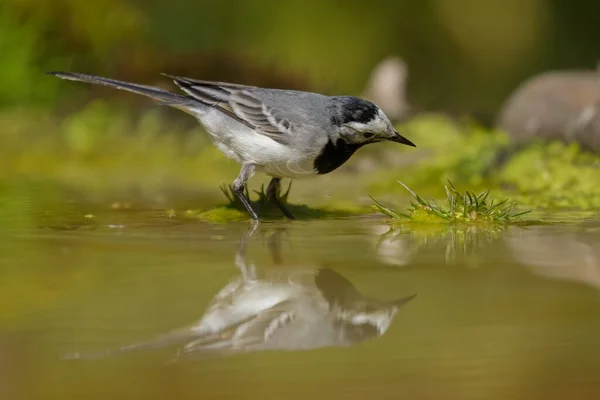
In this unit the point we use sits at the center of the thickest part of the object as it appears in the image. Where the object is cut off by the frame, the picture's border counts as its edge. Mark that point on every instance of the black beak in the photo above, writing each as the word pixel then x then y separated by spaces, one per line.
pixel 398 138
pixel 403 300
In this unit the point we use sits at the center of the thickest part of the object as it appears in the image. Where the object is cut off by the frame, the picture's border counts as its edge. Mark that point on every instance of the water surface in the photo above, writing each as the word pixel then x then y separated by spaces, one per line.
pixel 512 315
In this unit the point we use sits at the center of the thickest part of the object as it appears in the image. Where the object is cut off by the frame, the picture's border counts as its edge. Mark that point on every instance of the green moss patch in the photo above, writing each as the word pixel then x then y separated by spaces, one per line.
pixel 235 211
pixel 554 175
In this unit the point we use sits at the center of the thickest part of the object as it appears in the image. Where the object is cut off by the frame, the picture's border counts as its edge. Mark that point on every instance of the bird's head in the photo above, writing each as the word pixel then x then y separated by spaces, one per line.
pixel 361 122
pixel 368 318
pixel 357 317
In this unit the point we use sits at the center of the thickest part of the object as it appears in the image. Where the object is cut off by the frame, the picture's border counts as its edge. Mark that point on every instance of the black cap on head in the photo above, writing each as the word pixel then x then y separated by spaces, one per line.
pixel 354 109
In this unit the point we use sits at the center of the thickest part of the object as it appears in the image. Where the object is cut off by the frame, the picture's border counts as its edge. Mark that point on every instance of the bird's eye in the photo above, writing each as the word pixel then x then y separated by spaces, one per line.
pixel 368 135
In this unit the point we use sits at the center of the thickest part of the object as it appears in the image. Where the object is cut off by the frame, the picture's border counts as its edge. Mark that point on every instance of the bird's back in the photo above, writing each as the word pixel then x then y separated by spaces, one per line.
pixel 297 106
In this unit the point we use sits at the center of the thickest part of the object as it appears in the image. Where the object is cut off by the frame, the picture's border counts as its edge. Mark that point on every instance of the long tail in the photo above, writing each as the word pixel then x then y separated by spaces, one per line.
pixel 165 97
pixel 176 337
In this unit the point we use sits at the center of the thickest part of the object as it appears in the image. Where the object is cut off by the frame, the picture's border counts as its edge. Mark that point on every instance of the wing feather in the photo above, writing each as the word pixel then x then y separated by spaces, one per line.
pixel 239 103
pixel 248 332
pixel 268 119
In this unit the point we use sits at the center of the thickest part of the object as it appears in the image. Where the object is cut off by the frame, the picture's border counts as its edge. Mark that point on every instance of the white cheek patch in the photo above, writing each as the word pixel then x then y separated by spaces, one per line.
pixel 376 125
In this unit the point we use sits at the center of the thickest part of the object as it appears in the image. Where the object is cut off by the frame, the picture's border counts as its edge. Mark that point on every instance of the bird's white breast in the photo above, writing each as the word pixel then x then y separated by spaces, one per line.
pixel 242 144
pixel 246 302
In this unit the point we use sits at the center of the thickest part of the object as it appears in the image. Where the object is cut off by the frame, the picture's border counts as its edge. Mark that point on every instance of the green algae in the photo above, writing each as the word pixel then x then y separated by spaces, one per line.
pixel 225 213
pixel 234 211
pixel 554 175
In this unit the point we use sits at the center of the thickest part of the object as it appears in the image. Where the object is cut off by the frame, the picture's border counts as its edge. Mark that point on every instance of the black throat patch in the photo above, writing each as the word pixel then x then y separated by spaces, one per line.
pixel 334 154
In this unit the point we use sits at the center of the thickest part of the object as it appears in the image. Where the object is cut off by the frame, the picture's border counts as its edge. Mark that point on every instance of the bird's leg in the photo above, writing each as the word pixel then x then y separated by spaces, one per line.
pixel 274 245
pixel 248 271
pixel 238 188
pixel 273 192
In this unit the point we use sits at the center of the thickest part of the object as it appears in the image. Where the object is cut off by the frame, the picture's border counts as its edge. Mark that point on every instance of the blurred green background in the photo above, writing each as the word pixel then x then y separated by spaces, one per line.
pixel 462 54
pixel 464 57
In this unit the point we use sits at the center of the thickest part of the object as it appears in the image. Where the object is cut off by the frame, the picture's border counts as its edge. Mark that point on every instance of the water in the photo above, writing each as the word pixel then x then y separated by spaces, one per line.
pixel 111 309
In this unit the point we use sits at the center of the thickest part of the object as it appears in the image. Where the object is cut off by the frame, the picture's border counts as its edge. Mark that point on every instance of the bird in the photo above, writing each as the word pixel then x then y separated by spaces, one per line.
pixel 286 309
pixel 282 133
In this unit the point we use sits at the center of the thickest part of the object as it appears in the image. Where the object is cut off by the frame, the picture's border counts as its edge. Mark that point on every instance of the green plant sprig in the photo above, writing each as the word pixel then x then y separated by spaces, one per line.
pixel 467 207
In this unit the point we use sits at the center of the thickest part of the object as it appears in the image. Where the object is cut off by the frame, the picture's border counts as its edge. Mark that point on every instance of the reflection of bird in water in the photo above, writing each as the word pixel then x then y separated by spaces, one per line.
pixel 289 309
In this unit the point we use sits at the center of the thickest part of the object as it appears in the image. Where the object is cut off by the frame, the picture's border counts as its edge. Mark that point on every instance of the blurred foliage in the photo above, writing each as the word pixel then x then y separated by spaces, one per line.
pixel 20 80
pixel 462 55
pixel 95 145
pixel 37 36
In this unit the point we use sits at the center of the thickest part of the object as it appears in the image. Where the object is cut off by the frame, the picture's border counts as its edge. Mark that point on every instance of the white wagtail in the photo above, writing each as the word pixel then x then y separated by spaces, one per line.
pixel 283 133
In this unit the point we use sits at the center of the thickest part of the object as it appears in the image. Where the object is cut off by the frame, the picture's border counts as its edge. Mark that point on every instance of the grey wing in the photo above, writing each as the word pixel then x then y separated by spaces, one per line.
pixel 242 104
pixel 267 119
pixel 246 333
